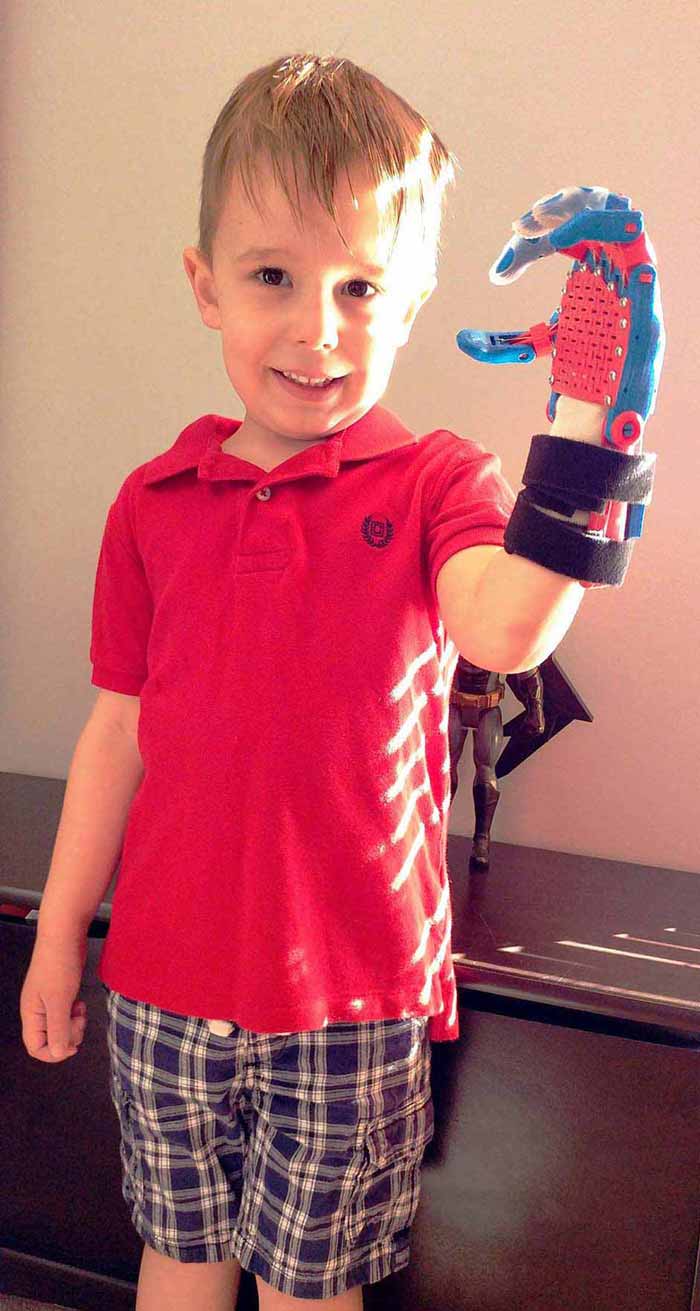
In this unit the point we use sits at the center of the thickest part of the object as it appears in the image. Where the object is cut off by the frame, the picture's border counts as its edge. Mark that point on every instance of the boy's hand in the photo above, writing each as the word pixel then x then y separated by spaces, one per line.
pixel 53 1022
pixel 608 336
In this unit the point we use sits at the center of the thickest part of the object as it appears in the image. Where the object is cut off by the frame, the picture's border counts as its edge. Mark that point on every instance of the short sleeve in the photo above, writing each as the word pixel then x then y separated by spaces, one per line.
pixel 122 608
pixel 471 505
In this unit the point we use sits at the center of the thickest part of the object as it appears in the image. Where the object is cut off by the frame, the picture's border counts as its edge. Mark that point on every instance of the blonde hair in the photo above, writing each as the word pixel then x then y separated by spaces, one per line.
pixel 327 114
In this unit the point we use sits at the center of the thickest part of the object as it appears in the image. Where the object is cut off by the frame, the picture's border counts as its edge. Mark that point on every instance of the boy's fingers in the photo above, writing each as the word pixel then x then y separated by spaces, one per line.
pixel 63 1037
pixel 53 1038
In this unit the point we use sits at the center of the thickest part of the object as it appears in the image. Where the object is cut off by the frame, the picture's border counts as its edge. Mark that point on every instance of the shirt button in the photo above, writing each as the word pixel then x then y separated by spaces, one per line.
pixel 264 494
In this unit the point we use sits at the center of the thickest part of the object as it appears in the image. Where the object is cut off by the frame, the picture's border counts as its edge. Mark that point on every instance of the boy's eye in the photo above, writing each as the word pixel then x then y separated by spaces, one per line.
pixel 362 282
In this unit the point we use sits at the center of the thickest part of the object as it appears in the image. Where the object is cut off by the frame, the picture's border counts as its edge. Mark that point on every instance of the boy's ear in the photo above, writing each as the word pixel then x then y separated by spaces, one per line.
pixel 203 286
pixel 414 306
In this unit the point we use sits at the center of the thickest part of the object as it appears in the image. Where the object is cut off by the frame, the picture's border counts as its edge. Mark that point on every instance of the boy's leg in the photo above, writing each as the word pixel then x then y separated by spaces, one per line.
pixel 269 1299
pixel 186 1285
pixel 333 1177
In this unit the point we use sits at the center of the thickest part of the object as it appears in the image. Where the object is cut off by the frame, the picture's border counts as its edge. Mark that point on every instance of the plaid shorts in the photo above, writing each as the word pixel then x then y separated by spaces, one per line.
pixel 299 1154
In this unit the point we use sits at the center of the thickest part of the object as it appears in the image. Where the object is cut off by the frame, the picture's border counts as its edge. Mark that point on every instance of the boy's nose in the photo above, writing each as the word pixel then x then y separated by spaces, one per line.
pixel 316 324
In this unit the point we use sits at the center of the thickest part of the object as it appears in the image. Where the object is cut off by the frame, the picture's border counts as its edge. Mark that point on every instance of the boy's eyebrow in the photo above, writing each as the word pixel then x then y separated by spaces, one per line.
pixel 267 252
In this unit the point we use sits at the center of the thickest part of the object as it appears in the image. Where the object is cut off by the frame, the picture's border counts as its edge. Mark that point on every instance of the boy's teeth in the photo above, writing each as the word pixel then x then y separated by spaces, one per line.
pixel 308 382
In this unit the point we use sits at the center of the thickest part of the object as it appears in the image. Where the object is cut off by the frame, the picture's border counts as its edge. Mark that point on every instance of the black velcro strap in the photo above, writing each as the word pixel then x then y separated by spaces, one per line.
pixel 577 470
pixel 565 548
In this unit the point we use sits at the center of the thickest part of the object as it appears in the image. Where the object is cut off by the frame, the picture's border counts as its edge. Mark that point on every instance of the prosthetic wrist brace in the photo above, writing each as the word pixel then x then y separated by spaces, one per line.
pixel 563 476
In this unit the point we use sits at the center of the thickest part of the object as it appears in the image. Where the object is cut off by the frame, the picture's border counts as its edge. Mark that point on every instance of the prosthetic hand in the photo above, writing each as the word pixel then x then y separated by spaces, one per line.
pixel 583 503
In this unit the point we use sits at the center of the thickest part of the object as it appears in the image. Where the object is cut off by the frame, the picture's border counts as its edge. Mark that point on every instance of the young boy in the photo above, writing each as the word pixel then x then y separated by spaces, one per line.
pixel 279 607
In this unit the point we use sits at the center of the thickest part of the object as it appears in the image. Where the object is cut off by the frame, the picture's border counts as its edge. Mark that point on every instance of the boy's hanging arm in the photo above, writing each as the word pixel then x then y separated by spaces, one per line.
pixel 587 481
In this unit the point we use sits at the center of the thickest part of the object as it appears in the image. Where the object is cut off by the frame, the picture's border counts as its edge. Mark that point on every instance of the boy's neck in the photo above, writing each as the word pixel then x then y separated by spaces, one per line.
pixel 266 453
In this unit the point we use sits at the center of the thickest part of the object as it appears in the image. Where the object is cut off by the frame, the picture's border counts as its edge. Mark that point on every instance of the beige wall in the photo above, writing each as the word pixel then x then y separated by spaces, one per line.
pixel 106 110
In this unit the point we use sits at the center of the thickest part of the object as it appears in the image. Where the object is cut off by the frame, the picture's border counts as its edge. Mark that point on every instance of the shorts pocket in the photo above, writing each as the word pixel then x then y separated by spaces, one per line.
pixel 403 1138
pixel 387 1190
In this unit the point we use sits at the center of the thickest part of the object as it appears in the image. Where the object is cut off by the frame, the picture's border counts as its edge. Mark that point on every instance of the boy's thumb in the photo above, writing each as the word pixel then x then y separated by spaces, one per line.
pixel 58 1039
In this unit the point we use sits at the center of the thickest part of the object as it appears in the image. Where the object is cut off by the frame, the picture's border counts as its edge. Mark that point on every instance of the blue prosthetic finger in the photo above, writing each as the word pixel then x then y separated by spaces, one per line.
pixel 508 347
pixel 611 227
pixel 517 255
pixel 608 220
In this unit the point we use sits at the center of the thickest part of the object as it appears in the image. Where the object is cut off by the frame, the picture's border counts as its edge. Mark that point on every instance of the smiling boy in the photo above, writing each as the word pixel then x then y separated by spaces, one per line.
pixel 280 603
pixel 292 298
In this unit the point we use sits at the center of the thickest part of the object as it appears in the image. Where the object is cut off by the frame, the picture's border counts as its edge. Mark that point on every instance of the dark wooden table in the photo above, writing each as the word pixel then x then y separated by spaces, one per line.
pixel 565 1168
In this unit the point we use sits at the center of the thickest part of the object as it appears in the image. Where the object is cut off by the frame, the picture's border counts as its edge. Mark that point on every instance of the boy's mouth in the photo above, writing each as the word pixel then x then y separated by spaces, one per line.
pixel 306 392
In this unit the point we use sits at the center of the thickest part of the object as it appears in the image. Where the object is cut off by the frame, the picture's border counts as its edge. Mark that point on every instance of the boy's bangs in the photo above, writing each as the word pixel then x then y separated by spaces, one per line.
pixel 315 119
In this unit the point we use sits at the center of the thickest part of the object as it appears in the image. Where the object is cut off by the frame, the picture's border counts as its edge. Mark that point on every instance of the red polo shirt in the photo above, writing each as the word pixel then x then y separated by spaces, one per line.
pixel 284 860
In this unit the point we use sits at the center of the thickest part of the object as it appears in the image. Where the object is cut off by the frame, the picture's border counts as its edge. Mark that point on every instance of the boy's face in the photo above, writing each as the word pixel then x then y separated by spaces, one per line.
pixel 315 310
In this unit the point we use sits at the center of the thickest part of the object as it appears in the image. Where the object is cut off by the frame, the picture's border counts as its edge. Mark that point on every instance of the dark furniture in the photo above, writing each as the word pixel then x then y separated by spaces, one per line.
pixel 565 1168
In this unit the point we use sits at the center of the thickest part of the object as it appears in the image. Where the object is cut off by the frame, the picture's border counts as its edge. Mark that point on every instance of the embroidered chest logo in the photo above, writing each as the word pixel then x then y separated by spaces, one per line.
pixel 377 532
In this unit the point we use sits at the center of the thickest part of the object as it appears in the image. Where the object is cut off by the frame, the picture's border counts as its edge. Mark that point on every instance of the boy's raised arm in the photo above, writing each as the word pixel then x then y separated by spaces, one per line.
pixel 505 612
pixel 587 482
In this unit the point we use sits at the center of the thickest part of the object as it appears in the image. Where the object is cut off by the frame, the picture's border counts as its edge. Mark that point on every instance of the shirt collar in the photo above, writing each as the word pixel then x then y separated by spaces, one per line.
pixel 198 447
